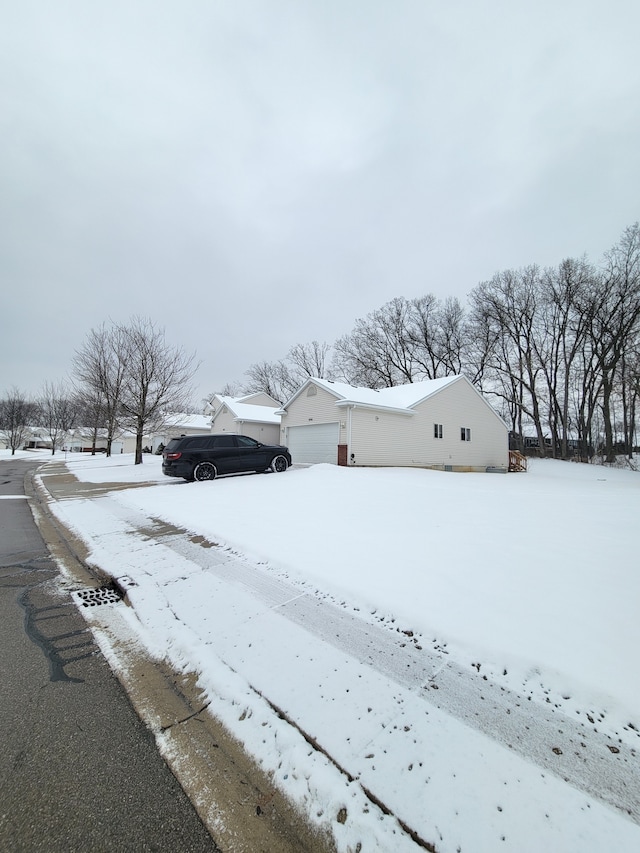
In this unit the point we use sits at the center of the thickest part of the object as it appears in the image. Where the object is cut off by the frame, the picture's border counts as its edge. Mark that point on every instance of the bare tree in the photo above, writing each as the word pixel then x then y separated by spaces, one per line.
pixel 17 414
pixel 630 395
pixel 157 379
pixel 280 379
pixel 565 294
pixel 437 332
pixel 558 347
pixel 508 305
pixel 91 417
pixel 309 360
pixel 615 319
pixel 273 377
pixel 404 341
pixel 58 412
pixel 99 368
pixel 453 331
pixel 378 353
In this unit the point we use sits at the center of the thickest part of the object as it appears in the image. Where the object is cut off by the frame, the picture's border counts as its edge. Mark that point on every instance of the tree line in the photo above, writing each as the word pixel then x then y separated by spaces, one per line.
pixel 556 350
pixel 123 377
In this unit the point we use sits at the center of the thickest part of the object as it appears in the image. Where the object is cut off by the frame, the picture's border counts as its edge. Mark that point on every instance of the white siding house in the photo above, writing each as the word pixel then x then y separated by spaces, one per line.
pixel 253 415
pixel 441 423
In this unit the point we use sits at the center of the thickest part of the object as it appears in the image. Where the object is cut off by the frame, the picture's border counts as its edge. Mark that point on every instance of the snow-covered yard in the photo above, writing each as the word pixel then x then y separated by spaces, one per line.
pixel 531 571
pixel 530 580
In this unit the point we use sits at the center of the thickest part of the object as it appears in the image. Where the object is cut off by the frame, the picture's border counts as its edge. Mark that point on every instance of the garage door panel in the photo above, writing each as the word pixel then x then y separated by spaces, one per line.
pixel 314 444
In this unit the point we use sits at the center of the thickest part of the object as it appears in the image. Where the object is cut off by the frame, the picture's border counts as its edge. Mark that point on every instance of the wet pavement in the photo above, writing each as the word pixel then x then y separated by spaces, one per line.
pixel 79 771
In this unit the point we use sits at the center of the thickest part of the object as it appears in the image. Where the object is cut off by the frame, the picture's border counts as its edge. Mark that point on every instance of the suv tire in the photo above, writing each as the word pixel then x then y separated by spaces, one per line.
pixel 205 471
pixel 279 464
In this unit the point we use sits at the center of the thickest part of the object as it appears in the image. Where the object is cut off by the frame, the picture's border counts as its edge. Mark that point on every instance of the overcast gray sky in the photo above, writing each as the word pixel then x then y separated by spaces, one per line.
pixel 252 174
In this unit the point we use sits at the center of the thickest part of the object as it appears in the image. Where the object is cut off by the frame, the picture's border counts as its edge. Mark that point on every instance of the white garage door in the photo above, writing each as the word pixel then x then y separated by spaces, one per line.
pixel 315 443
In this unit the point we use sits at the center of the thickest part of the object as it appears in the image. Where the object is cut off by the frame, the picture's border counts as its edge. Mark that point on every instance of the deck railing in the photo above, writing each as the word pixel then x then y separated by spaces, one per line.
pixel 517 462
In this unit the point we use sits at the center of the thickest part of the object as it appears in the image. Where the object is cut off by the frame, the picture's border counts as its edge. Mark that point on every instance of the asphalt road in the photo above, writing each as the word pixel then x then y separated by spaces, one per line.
pixel 78 769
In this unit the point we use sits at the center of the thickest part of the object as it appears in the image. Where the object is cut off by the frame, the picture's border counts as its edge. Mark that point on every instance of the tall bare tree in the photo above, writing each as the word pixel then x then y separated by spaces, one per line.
pixel 58 412
pixel 91 417
pixel 615 319
pixel 157 379
pixel 437 334
pixel 565 296
pixel 309 360
pixel 17 414
pixel 378 352
pixel 99 367
pixel 275 378
pixel 508 305
pixel 280 379
pixel 404 341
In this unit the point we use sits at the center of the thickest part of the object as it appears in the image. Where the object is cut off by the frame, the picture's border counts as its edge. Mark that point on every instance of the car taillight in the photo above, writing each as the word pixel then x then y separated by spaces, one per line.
pixel 172 455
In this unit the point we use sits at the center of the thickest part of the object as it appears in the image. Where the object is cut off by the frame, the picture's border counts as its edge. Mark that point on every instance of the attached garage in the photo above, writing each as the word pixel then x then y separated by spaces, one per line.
pixel 313 443
pixel 253 415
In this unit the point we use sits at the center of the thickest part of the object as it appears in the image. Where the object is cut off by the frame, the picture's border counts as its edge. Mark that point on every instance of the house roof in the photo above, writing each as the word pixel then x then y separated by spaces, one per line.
pixel 249 411
pixel 249 397
pixel 190 421
pixel 400 398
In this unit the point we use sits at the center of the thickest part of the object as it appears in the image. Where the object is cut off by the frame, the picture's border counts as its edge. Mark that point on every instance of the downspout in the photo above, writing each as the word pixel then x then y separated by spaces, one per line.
pixel 349 410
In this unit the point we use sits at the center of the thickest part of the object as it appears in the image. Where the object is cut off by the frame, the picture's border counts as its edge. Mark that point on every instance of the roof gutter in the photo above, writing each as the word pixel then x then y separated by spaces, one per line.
pixel 353 404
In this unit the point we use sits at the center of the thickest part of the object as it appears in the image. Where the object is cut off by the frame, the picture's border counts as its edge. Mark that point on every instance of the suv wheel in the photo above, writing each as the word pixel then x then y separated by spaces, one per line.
pixel 279 464
pixel 204 471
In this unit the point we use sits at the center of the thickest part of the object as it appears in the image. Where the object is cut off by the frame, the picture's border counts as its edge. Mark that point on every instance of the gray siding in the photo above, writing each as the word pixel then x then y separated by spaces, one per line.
pixel 223 421
pixel 317 409
pixel 267 433
pixel 261 399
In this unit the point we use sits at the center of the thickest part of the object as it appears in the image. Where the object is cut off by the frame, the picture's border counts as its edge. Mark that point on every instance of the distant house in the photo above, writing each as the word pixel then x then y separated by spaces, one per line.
pixel 173 427
pixel 441 423
pixel 254 415
pixel 36 438
pixel 81 439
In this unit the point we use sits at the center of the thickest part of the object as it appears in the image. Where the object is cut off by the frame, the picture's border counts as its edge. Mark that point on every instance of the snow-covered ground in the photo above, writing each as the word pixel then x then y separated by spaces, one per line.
pixel 523 586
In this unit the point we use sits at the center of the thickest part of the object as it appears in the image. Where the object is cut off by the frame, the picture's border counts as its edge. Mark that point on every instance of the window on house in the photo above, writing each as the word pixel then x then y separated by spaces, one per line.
pixel 437 430
pixel 312 391
pixel 465 434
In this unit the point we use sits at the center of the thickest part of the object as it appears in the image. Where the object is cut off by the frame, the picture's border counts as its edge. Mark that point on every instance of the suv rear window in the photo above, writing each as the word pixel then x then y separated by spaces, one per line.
pixel 198 442
pixel 221 441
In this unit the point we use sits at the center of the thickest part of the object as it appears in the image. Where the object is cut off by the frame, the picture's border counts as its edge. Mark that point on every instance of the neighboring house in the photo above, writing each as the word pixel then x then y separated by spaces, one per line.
pixel 253 415
pixel 530 445
pixel 175 426
pixel 440 423
pixel 80 440
pixel 37 438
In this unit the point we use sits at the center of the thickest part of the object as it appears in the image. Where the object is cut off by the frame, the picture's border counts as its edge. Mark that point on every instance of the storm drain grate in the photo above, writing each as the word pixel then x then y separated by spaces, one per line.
pixel 101 595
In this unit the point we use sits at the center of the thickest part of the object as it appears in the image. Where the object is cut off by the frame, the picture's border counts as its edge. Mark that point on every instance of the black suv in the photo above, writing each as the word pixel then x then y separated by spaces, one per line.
pixel 203 457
